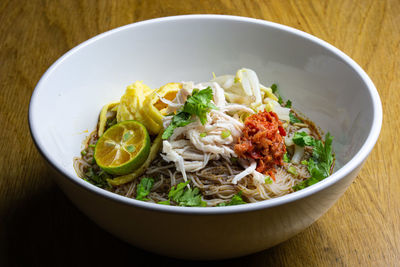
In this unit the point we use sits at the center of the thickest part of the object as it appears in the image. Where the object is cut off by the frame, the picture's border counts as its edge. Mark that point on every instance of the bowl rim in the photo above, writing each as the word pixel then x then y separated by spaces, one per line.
pixel 351 165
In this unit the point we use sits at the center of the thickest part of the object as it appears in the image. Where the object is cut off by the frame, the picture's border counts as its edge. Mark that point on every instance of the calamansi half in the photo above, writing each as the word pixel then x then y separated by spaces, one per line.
pixel 123 148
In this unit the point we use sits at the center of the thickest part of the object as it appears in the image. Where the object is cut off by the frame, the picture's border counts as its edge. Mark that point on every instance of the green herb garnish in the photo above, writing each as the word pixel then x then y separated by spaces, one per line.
pixel 292 170
pixel 236 200
pixel 274 88
pixel 288 104
pixel 181 119
pixel 286 158
pixel 280 100
pixel 320 164
pixel 165 202
pixel 144 188
pixel 203 135
pixel 198 104
pixel 268 180
pixel 303 139
pixel 98 178
pixel 185 196
pixel 225 134
pixel 294 119
pixel 322 153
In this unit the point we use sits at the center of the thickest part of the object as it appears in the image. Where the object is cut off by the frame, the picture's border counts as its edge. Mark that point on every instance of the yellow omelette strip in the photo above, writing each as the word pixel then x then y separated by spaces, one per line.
pixel 131 104
pixel 150 110
pixel 103 116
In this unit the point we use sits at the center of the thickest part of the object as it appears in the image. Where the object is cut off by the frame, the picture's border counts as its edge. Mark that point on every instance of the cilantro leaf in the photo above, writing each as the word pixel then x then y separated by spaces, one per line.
pixel 97 178
pixel 280 100
pixel 268 180
pixel 198 104
pixel 181 119
pixel 286 158
pixel 274 88
pixel 177 191
pixel 320 164
pixel 192 198
pixel 294 119
pixel 305 183
pixel 292 170
pixel 166 202
pixel 144 188
pixel 316 170
pixel 236 200
pixel 186 196
pixel 323 153
pixel 303 139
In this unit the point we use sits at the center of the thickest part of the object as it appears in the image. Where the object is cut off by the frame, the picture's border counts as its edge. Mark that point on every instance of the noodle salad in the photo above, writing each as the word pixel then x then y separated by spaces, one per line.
pixel 228 141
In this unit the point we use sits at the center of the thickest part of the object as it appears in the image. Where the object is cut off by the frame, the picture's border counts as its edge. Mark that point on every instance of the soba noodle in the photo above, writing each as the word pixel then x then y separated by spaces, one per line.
pixel 214 181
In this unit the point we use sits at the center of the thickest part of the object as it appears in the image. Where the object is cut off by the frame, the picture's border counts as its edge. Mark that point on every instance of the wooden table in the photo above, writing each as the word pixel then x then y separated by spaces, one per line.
pixel 40 226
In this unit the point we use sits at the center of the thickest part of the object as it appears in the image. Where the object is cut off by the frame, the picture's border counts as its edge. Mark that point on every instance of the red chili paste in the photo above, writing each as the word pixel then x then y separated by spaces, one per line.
pixel 263 141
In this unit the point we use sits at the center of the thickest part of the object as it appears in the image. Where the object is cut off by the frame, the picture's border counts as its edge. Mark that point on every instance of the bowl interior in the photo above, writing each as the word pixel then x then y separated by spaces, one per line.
pixel 320 80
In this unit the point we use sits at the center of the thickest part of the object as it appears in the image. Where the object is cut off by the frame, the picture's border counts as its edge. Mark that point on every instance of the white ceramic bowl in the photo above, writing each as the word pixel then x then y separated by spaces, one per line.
pixel 323 83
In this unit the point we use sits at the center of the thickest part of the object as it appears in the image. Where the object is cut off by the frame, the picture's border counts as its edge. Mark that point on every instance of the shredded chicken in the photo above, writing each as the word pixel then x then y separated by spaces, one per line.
pixel 192 146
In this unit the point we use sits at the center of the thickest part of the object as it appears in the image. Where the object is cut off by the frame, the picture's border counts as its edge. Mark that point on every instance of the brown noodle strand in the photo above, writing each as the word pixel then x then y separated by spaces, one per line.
pixel 214 181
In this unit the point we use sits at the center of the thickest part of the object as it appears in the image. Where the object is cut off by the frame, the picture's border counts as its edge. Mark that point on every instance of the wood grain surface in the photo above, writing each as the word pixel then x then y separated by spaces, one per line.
pixel 39 226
